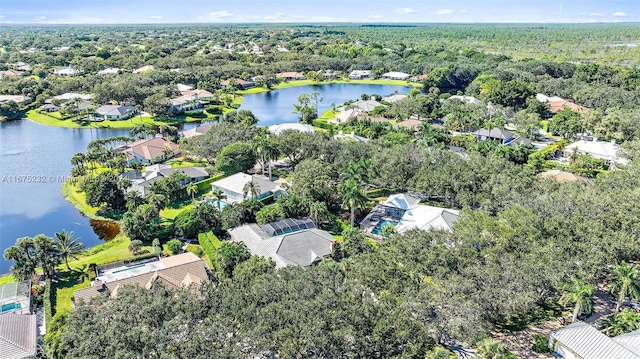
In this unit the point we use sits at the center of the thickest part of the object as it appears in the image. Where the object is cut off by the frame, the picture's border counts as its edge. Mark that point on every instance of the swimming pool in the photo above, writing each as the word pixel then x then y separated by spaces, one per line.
pixel 9 307
pixel 214 202
pixel 129 268
pixel 377 230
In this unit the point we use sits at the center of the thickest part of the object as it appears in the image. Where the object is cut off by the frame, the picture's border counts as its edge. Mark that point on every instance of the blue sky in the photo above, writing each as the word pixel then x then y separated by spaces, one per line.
pixel 282 11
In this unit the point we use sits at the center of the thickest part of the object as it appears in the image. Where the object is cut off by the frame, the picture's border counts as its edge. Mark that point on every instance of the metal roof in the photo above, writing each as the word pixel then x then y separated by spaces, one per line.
pixel 587 342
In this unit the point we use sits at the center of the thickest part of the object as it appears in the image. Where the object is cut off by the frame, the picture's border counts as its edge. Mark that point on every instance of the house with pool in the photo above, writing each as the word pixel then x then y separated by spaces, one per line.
pixel 404 212
pixel 18 327
pixel 234 187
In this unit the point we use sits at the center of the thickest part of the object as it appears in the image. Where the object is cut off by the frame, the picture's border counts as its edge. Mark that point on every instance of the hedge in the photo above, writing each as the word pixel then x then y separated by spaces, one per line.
pixel 49 301
pixel 210 244
pixel 322 124
pixel 379 192
pixel 205 184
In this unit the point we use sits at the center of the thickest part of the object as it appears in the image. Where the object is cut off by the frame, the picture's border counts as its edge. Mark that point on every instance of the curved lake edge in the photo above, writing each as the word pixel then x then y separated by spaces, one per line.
pixel 299 83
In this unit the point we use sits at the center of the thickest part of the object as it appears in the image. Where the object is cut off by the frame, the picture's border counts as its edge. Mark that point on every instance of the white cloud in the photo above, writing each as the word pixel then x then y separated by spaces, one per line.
pixel 443 12
pixel 595 14
pixel 41 18
pixel 619 14
pixel 217 15
pixel 464 11
pixel 405 10
pixel 373 16
pixel 156 17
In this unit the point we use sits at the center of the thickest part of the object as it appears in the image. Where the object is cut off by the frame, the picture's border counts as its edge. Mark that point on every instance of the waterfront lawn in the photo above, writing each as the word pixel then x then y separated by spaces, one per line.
pixel 68 282
pixel 42 119
pixel 75 196
pixel 7 279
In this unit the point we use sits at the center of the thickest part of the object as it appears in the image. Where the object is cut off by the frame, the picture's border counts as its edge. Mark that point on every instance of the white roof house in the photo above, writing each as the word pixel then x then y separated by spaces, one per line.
pixel 71 95
pixel 394 98
pixel 427 218
pixel 183 87
pixel 394 75
pixel 300 243
pixel 365 105
pixel 345 116
pixel 278 129
pixel 18 336
pixel 109 71
pixel 465 98
pixel 360 74
pixel 350 137
pixel 67 72
pixel 607 151
pixel 582 341
pixel 544 98
pixel 233 187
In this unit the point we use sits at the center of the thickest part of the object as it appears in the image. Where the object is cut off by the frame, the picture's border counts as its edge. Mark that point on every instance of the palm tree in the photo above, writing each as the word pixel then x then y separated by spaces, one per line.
pixel 625 282
pixel 84 272
pixel 318 212
pixel 218 195
pixel 578 294
pixel 251 188
pixel 69 246
pixel 352 197
pixel 491 349
pixel 259 145
pixel 192 189
pixel 271 151
pixel 624 322
pixel 134 199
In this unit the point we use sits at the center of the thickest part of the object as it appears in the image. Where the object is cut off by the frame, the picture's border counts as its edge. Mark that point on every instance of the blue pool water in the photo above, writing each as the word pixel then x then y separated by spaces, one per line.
pixel 378 228
pixel 214 202
pixel 9 307
pixel 130 268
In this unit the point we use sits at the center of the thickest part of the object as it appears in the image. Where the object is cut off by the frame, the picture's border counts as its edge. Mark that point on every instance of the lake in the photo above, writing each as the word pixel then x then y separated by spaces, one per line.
pixel 31 149
pixel 276 107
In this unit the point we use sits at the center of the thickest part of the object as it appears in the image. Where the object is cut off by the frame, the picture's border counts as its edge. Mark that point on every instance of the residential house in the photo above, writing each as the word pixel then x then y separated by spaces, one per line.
pixel 345 116
pixel 464 98
pixel 350 137
pixel 109 71
pixel 495 134
pixel 21 66
pixel 290 76
pixel 240 84
pixel 179 271
pixel 72 95
pixel 18 327
pixel 202 95
pixel 394 98
pixel 12 73
pixel 561 176
pixel 143 69
pixel 329 74
pixel 300 127
pixel 418 78
pixel 196 131
pixel 141 181
pixel 365 105
pixel 286 242
pixel 185 103
pixel 49 107
pixel 115 112
pixel 360 74
pixel 557 103
pixel 19 99
pixel 393 75
pixel 67 72
pixel 233 187
pixel 582 341
pixel 183 87
pixel 411 124
pixel 404 212
pixel 607 151
pixel 151 151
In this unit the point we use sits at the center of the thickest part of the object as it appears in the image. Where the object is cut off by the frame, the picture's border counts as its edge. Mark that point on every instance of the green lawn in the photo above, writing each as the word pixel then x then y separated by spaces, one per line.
pixel 68 283
pixel 35 116
pixel 252 90
pixel 7 279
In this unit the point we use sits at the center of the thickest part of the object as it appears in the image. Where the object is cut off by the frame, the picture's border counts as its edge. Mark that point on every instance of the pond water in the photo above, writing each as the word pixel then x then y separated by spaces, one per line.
pixel 276 107
pixel 28 208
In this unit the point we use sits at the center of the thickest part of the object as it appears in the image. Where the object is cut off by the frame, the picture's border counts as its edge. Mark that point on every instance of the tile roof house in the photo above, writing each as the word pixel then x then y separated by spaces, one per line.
pixel 196 131
pixel 290 76
pixel 18 336
pixel 394 75
pixel 410 124
pixel 287 242
pixel 360 74
pixel 115 112
pixel 561 176
pixel 240 84
pixel 345 116
pixel 141 181
pixel 185 103
pixel 233 187
pixel 564 104
pixel 12 73
pixel 203 95
pixel 394 98
pixel 177 271
pixel 582 341
pixel 19 99
pixel 150 151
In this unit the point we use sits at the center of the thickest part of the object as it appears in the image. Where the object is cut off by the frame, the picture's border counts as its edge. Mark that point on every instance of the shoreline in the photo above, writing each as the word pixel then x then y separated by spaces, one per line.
pixel 70 194
pixel 299 83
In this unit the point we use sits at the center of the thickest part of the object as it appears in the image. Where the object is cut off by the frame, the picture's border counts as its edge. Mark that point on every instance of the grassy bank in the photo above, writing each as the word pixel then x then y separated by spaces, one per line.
pixel 299 83
pixel 78 199
pixel 43 119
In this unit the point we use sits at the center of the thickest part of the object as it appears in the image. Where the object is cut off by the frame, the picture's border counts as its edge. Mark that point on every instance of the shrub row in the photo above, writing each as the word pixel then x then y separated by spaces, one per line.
pixel 49 301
